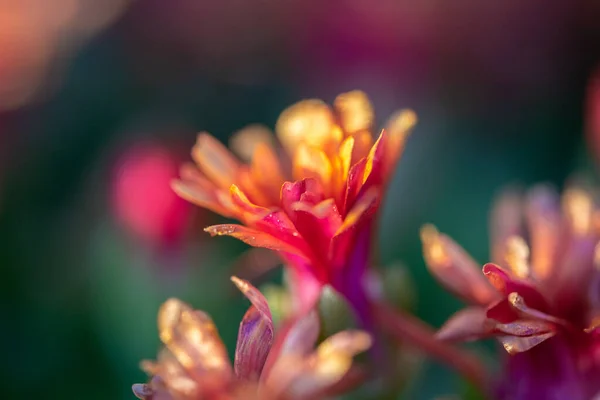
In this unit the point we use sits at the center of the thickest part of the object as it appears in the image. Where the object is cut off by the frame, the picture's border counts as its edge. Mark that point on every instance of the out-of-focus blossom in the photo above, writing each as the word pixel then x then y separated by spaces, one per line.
pixel 312 197
pixel 267 366
pixel 543 303
pixel 37 36
pixel 141 197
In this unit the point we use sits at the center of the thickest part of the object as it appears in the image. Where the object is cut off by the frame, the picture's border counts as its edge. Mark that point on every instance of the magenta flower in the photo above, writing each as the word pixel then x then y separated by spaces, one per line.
pixel 267 366
pixel 541 298
pixel 312 196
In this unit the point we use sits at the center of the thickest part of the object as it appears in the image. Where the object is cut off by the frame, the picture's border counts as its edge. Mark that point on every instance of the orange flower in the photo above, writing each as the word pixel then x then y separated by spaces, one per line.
pixel 194 363
pixel 311 196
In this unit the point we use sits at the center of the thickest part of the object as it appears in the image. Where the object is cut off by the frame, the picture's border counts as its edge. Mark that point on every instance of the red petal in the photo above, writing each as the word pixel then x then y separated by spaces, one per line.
pixel 317 225
pixel 506 283
pixel 309 191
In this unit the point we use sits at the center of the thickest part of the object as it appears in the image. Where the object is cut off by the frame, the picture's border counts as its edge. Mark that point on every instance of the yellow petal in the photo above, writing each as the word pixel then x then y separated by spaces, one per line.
pixel 578 207
pixel 311 162
pixel 192 338
pixel 355 111
pixel 517 256
pixel 245 141
pixel 310 122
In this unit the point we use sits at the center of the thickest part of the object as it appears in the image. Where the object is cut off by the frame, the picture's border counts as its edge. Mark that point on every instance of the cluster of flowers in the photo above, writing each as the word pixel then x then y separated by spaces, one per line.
pixel 311 193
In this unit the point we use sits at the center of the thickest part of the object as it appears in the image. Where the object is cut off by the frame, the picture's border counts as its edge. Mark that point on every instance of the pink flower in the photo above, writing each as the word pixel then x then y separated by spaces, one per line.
pixel 267 365
pixel 312 198
pixel 542 297
pixel 141 197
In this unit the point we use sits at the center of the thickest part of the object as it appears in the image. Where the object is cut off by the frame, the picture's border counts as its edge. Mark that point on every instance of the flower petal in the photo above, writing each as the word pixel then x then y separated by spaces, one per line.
pixel 525 328
pixel 192 338
pixel 330 362
pixel 308 121
pixel 454 268
pixel 542 211
pixel 398 128
pixel 318 224
pixel 354 111
pixel 516 344
pixel 215 160
pixel 255 335
pixel 468 324
pixel 506 283
pixel 200 196
pixel 506 220
pixel 252 237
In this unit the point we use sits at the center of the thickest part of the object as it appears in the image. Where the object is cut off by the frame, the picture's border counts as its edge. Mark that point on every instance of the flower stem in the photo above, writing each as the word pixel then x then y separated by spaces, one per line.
pixel 410 329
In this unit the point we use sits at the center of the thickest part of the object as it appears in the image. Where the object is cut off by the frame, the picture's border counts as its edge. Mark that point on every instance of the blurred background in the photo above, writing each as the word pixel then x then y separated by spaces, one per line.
pixel 101 100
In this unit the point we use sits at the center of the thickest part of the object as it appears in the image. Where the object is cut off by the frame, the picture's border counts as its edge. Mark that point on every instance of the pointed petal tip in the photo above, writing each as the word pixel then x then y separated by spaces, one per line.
pixel 240 283
pixel 402 122
pixel 142 391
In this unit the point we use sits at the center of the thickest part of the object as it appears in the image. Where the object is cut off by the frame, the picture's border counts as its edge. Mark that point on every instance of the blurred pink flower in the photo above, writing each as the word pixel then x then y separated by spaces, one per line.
pixel 267 365
pixel 142 198
pixel 543 302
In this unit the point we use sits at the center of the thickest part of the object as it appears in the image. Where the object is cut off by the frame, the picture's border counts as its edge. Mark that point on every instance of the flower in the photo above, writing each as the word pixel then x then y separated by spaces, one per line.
pixel 141 198
pixel 269 366
pixel 312 197
pixel 541 298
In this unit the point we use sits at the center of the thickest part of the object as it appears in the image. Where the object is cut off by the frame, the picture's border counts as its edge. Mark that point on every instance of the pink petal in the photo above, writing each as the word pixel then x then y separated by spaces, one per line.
pixel 544 221
pixel 468 324
pixel 295 338
pixel 308 190
pixel 304 282
pixel 454 268
pixel 317 224
pixel 253 237
pixel 524 328
pixel 504 281
pixel 516 344
pixel 255 335
pixel 357 222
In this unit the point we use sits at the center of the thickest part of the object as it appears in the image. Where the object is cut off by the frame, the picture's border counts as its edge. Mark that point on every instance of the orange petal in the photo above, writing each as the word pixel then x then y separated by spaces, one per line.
pixel 267 172
pixel 454 268
pixel 354 111
pixel 398 129
pixel 215 160
pixel 201 197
